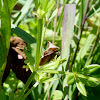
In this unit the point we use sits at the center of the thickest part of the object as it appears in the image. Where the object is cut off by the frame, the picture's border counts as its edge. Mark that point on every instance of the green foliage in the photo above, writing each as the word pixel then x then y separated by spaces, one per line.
pixel 70 79
pixel 57 95
pixel 81 87
pixel 5 33
pixel 77 69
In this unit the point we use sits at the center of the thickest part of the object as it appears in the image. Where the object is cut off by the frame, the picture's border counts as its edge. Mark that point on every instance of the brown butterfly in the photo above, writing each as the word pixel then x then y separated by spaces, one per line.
pixel 49 54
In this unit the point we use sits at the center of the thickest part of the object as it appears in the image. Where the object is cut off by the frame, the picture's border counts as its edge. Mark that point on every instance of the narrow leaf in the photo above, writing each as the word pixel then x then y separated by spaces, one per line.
pixel 12 4
pixel 90 69
pixel 23 12
pixel 51 65
pixel 24 35
pixel 81 88
pixel 70 79
pixel 6 24
pixel 47 79
pixel 89 81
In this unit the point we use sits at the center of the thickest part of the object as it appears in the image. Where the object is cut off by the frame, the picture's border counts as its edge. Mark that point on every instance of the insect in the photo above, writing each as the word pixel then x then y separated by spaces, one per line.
pixel 49 54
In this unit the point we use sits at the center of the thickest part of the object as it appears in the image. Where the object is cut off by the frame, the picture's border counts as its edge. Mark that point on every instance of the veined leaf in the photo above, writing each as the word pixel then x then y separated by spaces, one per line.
pixel 81 88
pixel 89 81
pixel 24 35
pixel 90 69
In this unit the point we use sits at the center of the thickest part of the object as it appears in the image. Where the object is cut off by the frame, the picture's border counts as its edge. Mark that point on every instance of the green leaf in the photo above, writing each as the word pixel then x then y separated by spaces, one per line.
pixel 11 97
pixel 12 4
pixel 23 12
pixel 53 14
pixel 36 3
pixel 30 59
pixel 44 4
pixel 51 65
pixel 0 7
pixel 47 79
pixel 2 55
pixel 6 24
pixel 60 19
pixel 89 81
pixel 41 13
pixel 50 5
pixel 47 5
pixel 71 92
pixel 87 44
pixel 5 34
pixel 95 8
pixel 10 83
pixel 57 95
pixel 90 69
pixel 81 88
pixel 24 35
pixel 70 79
pixel 2 95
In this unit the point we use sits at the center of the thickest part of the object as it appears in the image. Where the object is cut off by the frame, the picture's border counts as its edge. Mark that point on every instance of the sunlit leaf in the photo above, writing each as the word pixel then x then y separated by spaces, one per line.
pixel 57 95
pixel 70 79
pixel 47 79
pixel 90 69
pixel 51 65
pixel 89 81
pixel 81 88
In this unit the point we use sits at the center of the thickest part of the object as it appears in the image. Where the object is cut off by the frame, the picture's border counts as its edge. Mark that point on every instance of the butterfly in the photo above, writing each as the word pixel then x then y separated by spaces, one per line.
pixel 49 54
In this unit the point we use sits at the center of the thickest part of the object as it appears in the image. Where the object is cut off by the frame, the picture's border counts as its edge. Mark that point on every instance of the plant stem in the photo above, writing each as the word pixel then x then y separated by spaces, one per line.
pixel 38 48
pixel 26 85
pixel 36 3
pixel 35 85
pixel 80 34
pixel 37 59
pixel 55 23
pixel 56 72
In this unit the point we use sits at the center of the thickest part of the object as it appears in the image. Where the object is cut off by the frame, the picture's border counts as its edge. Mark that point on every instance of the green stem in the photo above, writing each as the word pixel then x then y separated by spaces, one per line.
pixel 36 3
pixel 35 85
pixel 55 23
pixel 82 22
pixel 37 59
pixel 56 72
pixel 26 86
pixel 38 49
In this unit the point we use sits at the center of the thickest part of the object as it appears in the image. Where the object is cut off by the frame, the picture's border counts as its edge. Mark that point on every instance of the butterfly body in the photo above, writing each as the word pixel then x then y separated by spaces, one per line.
pixel 48 54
